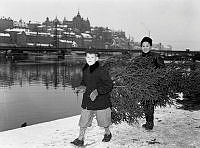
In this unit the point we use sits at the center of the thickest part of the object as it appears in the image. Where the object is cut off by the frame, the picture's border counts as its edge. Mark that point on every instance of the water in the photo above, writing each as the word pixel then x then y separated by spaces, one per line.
pixel 38 92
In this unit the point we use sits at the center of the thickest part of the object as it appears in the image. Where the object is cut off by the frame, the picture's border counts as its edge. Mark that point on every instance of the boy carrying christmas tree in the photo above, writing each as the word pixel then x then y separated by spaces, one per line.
pixel 153 60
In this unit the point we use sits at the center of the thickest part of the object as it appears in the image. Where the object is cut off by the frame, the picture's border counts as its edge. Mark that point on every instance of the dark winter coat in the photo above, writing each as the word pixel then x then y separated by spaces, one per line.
pixel 152 60
pixel 96 77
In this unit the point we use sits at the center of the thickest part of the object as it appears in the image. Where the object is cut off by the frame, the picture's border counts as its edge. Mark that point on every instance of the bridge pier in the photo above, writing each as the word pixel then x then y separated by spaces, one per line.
pixel 61 54
pixel 6 53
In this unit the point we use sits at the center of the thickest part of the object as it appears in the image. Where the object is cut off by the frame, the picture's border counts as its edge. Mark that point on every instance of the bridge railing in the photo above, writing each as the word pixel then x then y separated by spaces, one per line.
pixel 170 54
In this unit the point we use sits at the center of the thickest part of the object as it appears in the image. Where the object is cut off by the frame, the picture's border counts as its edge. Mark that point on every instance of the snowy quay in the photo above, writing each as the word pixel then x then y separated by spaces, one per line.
pixel 174 128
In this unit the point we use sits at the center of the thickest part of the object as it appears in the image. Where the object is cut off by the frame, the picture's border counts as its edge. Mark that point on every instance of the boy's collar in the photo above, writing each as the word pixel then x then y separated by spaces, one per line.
pixel 146 54
pixel 92 67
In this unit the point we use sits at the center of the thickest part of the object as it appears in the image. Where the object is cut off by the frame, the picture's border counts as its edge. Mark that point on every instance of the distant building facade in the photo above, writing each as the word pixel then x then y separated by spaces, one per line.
pixel 5 39
pixel 5 23
pixel 67 33
pixel 80 24
pixel 19 24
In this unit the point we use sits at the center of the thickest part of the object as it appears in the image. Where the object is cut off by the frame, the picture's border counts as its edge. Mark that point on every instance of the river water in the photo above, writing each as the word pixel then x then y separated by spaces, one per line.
pixel 35 92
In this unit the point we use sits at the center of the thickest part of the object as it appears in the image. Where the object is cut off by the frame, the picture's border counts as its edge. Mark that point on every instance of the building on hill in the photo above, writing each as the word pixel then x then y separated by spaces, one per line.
pixel 13 33
pixel 77 32
pixel 5 23
pixel 5 39
pixel 107 35
pixel 120 43
pixel 51 23
pixel 97 33
pixel 20 24
pixel 106 38
pixel 80 24
pixel 120 34
pixel 68 23
pixel 47 22
pixel 56 22
pixel 33 26
pixel 41 39
pixel 87 40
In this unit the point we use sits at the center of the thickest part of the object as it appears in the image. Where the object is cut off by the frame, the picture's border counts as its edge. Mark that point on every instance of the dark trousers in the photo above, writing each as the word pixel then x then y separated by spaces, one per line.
pixel 148 108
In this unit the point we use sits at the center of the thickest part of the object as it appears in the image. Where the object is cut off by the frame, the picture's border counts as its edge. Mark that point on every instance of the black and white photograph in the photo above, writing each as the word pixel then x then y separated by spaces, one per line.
pixel 99 74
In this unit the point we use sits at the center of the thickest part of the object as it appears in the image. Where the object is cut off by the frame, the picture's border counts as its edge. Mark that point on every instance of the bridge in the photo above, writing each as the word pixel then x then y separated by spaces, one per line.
pixel 17 49
pixel 167 54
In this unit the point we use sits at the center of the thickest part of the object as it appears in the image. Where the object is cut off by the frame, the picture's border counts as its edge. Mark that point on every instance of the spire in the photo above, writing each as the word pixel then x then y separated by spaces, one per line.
pixel 56 19
pixel 78 14
pixel 64 19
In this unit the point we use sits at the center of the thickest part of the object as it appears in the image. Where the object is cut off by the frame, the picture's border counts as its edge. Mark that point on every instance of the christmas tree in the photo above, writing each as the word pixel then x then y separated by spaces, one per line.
pixel 136 81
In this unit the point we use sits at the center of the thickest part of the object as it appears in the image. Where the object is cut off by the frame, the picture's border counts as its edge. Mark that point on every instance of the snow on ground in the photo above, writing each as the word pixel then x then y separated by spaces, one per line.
pixel 174 128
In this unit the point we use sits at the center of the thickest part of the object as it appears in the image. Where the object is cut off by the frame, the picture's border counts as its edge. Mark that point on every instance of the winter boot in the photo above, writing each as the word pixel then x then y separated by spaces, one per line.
pixel 107 138
pixel 77 142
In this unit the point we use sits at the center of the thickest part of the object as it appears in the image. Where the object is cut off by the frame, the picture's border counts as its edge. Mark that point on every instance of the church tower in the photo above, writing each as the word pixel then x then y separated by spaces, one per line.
pixel 80 24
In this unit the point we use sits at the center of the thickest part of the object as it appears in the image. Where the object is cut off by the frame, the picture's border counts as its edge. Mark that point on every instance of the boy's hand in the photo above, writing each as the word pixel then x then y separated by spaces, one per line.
pixel 93 95
pixel 80 89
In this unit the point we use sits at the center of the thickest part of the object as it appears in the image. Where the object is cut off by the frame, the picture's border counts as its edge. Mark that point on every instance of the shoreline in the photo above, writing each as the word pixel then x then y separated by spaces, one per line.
pixel 174 128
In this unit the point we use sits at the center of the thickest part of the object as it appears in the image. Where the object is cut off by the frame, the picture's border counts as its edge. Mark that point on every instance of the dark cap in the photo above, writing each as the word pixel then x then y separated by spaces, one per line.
pixel 92 50
pixel 146 39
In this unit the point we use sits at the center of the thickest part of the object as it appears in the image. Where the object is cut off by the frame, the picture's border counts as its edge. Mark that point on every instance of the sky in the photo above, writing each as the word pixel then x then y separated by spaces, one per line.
pixel 170 22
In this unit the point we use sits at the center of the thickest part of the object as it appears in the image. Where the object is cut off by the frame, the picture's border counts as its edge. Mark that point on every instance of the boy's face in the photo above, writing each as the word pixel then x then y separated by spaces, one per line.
pixel 91 58
pixel 146 47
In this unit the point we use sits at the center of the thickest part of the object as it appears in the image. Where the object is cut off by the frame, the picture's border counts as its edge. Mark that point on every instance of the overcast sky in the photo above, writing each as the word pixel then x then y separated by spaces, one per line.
pixel 174 22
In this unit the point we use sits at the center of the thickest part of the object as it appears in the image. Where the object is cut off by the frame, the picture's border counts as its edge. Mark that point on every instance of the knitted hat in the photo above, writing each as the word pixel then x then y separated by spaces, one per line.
pixel 146 39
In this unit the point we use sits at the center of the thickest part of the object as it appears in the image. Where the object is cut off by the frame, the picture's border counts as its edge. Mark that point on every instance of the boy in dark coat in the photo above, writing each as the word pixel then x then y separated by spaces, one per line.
pixel 96 98
pixel 153 60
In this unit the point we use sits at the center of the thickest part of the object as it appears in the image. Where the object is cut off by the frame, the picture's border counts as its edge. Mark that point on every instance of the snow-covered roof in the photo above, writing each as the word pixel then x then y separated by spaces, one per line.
pixel 59 36
pixel 66 41
pixel 35 23
pixel 43 33
pixel 16 30
pixel 58 29
pixel 63 26
pixel 41 26
pixel 78 36
pixel 107 31
pixel 39 33
pixel 69 33
pixel 38 44
pixel 35 33
pixel 85 35
pixel 5 34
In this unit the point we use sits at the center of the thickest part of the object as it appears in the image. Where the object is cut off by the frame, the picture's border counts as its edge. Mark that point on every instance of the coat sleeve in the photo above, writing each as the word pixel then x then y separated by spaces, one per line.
pixel 106 85
pixel 159 62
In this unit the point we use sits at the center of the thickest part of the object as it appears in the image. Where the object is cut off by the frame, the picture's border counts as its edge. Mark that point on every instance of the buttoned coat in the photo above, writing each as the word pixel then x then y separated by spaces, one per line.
pixel 96 77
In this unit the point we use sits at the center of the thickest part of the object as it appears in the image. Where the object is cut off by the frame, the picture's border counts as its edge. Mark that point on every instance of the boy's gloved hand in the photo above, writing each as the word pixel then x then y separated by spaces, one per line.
pixel 93 95
pixel 80 89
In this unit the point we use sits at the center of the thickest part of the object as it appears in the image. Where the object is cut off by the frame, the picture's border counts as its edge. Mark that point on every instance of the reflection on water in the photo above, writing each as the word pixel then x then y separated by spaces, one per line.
pixel 33 93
